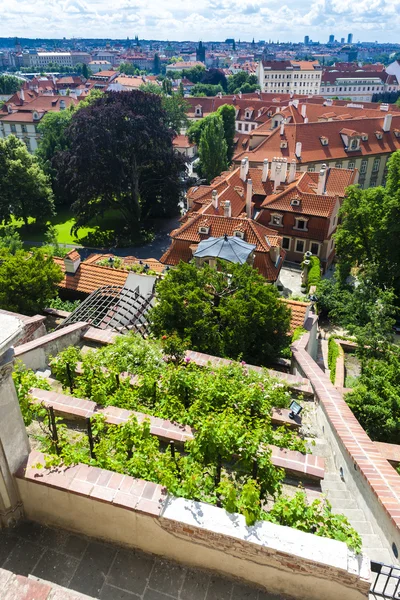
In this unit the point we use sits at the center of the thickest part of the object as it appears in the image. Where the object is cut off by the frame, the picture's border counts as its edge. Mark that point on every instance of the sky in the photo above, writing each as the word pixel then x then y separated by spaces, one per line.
pixel 283 20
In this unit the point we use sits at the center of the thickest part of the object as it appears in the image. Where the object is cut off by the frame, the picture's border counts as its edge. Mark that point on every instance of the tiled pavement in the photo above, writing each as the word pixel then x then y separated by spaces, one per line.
pixel 108 572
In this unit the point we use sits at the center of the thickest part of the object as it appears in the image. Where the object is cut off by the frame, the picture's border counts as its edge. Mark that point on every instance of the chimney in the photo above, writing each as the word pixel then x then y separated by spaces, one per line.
pixel 264 176
pixel 227 208
pixel 296 103
pixel 306 120
pixel 243 171
pixel 284 170
pixel 240 95
pixel 249 196
pixel 72 260
pixel 303 110
pixel 387 123
pixel 273 168
pixel 215 199
pixel 292 171
pixel 274 252
pixel 283 127
pixel 322 180
pixel 246 158
pixel 278 175
pixel 22 96
pixel 298 150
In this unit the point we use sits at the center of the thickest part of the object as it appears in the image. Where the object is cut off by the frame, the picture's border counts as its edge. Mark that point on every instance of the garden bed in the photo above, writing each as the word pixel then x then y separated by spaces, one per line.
pixel 230 460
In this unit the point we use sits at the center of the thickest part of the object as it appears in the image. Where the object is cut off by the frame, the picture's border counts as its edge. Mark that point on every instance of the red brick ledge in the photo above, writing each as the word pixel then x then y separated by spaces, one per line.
pixel 379 474
pixel 294 462
pixel 98 484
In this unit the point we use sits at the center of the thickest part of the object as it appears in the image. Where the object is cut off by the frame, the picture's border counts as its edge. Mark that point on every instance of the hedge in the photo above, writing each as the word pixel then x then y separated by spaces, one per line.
pixel 333 353
pixel 314 271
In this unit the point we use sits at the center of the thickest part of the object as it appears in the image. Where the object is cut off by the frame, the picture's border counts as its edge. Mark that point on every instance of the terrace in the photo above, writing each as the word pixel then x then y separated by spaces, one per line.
pixel 130 511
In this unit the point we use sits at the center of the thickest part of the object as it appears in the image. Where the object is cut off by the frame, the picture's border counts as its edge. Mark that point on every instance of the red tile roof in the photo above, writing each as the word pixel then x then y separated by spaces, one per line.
pixel 299 311
pixel 89 278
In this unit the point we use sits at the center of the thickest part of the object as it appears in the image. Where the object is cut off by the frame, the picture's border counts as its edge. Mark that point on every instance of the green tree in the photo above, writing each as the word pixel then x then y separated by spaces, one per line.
pixel 86 72
pixel 27 281
pixel 127 68
pixel 10 239
pixel 157 64
pixel 24 188
pixel 121 157
pixel 228 114
pixel 213 148
pixel 167 87
pixel 9 84
pixel 228 312
pixel 176 108
pixel 206 89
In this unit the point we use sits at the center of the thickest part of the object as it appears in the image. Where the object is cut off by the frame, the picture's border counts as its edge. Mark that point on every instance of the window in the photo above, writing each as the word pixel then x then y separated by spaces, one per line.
pixel 13 128
pixel 239 234
pixel 338 165
pixel 311 168
pixel 363 168
pixel 332 244
pixel 351 164
pixel 376 165
pixel 286 243
pixel 276 220
pixel 239 127
pixel 246 126
pixel 300 246
pixel 23 128
pixel 301 223
pixel 334 222
pixel 314 248
pixel 354 144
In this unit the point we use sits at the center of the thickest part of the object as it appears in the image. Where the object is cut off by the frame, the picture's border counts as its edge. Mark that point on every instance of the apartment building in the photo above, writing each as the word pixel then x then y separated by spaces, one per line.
pixel 365 144
pixel 357 83
pixel 40 60
pixel 290 77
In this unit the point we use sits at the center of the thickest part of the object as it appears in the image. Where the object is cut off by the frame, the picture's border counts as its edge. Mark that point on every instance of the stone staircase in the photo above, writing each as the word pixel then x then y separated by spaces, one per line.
pixel 17 587
pixel 343 502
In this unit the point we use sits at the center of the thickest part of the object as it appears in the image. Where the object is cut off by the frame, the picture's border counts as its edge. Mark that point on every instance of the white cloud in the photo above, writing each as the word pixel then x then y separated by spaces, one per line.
pixel 205 19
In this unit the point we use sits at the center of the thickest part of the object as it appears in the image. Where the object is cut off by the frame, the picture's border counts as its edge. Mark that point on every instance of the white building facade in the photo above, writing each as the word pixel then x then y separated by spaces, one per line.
pixel 290 77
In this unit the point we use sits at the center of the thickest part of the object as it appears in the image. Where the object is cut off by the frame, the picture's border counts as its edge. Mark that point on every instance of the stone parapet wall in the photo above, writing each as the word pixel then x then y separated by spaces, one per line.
pixel 141 514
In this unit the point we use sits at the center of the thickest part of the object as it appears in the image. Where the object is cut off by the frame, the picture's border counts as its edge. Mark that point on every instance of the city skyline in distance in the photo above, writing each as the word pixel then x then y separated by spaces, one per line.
pixel 207 20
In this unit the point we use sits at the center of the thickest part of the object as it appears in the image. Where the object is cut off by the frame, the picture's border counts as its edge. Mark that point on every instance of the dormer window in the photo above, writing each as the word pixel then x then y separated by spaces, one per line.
pixel 239 234
pixel 324 140
pixel 364 137
pixel 248 113
pixel 204 230
pixel 276 219
pixel 9 109
pixel 62 104
pixel 295 202
pixel 301 223
pixel 198 111
pixel 35 115
pixel 379 135
pixel 397 133
pixel 284 144
pixel 354 144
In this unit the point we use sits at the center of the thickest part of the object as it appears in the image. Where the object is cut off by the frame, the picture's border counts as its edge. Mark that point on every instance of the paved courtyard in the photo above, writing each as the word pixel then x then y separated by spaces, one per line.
pixel 108 572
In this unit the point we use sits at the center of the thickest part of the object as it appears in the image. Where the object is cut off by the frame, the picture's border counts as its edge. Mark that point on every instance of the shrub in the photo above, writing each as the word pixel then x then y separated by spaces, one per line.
pixel 333 353
pixel 314 272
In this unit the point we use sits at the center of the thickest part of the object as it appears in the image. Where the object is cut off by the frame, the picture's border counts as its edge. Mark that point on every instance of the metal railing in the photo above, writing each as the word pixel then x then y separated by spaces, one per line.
pixel 387 581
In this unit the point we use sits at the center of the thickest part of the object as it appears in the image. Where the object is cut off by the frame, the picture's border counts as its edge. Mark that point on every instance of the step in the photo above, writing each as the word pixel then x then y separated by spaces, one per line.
pixel 371 540
pixel 340 503
pixel 333 486
pixel 353 514
pixel 338 494
pixel 333 477
pixel 22 588
pixel 362 527
pixel 61 593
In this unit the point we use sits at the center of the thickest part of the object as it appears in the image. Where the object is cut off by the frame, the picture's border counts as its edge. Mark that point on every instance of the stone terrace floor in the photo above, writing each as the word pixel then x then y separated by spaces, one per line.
pixel 108 572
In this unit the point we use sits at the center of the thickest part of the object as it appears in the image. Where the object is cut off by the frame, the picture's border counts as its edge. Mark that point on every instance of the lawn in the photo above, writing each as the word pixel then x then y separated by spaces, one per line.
pixel 100 232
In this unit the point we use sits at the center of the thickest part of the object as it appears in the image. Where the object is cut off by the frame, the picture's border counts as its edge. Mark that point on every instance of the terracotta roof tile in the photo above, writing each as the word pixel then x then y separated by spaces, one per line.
pixel 299 311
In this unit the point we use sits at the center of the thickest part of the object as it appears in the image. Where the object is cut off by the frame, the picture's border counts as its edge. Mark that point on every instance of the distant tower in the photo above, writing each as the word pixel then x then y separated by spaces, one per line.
pixel 306 40
pixel 253 43
pixel 18 47
pixel 201 52
pixel 350 38
pixel 342 40
pixel 331 39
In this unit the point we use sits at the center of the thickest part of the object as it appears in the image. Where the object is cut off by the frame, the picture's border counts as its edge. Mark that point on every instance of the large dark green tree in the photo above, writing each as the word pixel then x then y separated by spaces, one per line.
pixel 9 84
pixel 25 190
pixel 27 281
pixel 230 312
pixel 227 114
pixel 121 157
pixel 213 148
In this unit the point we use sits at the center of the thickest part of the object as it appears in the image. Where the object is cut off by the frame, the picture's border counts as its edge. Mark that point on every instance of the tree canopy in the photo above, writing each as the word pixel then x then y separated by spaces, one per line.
pixel 213 148
pixel 9 84
pixel 227 113
pixel 242 82
pixel 24 188
pixel 230 312
pixel 121 157
pixel 27 281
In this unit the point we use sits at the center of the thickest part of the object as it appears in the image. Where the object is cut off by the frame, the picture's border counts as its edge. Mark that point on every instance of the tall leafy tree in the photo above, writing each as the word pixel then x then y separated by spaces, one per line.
pixel 215 77
pixel 176 108
pixel 24 188
pixel 213 148
pixel 229 312
pixel 228 114
pixel 157 64
pixel 121 157
pixel 9 84
pixel 27 281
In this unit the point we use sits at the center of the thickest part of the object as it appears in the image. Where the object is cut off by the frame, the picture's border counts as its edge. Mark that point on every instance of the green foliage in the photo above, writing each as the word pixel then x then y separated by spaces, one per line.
pixel 228 115
pixel 174 348
pixel 24 381
pixel 235 316
pixel 213 148
pixel 195 75
pixel 207 89
pixel 24 188
pixel 242 82
pixel 27 281
pixel 375 399
pixel 128 69
pixel 316 517
pixel 333 355
pixel 9 84
pixel 314 271
pixel 10 239
pixel 59 304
